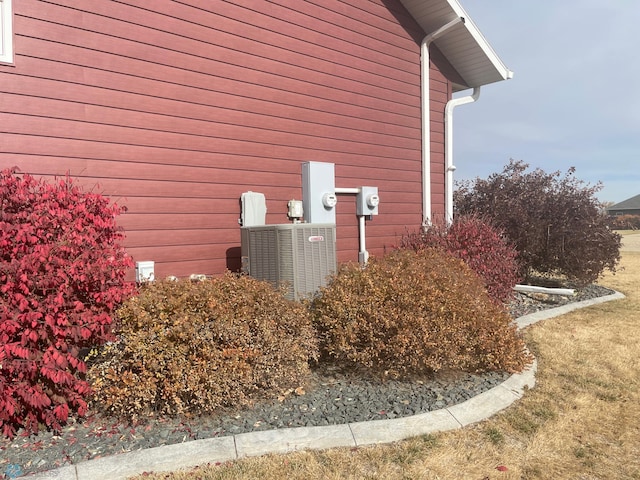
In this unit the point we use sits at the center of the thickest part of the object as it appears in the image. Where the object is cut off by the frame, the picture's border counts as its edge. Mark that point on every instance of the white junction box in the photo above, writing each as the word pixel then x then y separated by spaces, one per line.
pixel 299 256
pixel 145 271
pixel 254 209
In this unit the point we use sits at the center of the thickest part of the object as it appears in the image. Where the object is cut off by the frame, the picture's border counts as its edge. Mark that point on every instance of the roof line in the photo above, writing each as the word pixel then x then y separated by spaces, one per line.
pixel 481 40
pixel 464 46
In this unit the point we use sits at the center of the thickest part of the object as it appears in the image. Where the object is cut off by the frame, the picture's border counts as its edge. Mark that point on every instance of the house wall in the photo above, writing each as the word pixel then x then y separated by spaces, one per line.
pixel 629 211
pixel 176 108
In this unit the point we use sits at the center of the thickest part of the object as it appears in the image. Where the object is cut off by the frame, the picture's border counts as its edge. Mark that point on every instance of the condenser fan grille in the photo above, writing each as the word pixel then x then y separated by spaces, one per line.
pixel 300 256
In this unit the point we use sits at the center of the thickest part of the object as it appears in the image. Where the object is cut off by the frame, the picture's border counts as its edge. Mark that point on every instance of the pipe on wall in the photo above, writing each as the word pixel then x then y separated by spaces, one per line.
pixel 347 191
pixel 448 149
pixel 426 117
pixel 363 254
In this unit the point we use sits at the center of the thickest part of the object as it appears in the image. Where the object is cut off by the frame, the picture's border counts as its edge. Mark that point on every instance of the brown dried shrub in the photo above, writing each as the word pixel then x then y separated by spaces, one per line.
pixel 192 347
pixel 415 313
pixel 624 222
pixel 480 245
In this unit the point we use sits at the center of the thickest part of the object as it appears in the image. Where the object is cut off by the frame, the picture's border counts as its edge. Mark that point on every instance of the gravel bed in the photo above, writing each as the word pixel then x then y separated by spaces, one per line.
pixel 331 396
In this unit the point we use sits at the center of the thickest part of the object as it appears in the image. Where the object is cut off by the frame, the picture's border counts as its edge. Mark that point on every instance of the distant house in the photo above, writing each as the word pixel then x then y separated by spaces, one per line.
pixel 176 108
pixel 630 206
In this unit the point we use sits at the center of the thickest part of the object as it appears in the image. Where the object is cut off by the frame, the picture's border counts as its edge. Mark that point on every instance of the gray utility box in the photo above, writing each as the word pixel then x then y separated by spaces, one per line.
pixel 299 256
pixel 318 183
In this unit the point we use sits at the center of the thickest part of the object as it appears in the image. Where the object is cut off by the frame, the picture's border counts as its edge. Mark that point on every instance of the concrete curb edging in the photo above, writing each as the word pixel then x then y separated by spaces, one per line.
pixel 532 318
pixel 198 452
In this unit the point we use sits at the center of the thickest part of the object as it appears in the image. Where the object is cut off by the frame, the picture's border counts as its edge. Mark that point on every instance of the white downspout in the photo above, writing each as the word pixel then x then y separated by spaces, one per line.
pixel 426 118
pixel 448 150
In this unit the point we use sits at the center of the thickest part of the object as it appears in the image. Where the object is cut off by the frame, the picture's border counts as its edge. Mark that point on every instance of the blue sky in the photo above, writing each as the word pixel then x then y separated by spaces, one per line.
pixel 574 99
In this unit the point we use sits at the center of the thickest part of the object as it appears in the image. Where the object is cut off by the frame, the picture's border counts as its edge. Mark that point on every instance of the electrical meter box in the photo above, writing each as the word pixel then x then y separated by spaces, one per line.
pixel 319 192
pixel 299 256
pixel 367 201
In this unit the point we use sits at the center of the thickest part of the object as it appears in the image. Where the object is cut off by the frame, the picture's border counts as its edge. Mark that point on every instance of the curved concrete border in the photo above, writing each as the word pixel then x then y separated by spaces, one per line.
pixel 532 318
pixel 198 452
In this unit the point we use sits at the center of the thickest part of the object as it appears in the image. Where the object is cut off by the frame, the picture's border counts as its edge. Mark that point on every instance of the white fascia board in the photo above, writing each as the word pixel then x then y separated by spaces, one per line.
pixel 481 41
pixel 464 46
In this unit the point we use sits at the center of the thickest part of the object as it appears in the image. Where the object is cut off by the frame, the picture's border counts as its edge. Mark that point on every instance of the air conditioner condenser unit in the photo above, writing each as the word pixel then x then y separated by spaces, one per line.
pixel 300 256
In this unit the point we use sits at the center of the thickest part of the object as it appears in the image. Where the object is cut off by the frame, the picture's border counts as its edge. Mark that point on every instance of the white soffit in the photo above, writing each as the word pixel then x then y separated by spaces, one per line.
pixel 463 45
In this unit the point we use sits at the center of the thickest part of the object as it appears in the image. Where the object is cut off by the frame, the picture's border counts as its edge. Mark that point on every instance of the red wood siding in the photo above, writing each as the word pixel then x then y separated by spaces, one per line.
pixel 176 108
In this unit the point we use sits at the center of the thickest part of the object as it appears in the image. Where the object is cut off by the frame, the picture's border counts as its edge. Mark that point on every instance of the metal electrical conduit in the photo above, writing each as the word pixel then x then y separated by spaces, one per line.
pixel 363 255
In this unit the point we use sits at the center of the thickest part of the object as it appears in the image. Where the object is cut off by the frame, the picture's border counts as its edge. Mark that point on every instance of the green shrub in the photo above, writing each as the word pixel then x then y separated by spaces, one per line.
pixel 196 346
pixel 414 313
pixel 556 223
pixel 480 245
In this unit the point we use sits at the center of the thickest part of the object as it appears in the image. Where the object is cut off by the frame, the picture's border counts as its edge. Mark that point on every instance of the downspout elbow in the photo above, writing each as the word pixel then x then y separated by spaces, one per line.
pixel 454 102
pixel 448 149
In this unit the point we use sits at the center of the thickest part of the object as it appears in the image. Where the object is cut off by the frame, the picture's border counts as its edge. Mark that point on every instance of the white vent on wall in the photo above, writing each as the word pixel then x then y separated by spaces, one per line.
pixel 300 256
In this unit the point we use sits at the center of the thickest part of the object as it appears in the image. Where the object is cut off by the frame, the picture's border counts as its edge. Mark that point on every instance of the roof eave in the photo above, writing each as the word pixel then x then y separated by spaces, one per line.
pixel 632 203
pixel 464 46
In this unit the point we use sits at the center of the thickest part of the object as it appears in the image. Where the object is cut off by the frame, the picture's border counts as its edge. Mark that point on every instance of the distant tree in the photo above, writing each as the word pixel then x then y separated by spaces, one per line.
pixel 604 207
pixel 556 223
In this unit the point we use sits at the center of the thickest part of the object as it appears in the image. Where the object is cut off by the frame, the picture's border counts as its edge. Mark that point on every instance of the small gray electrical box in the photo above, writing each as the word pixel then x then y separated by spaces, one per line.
pixel 367 201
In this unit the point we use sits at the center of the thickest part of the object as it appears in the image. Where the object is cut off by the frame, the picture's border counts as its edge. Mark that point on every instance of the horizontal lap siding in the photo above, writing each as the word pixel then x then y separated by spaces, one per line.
pixel 175 108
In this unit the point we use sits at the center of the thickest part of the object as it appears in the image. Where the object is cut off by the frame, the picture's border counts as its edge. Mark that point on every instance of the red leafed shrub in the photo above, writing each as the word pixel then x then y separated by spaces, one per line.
pixel 62 275
pixel 481 246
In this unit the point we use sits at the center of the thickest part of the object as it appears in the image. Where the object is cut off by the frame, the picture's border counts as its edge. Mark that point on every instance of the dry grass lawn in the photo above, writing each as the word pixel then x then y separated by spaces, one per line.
pixel 581 421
